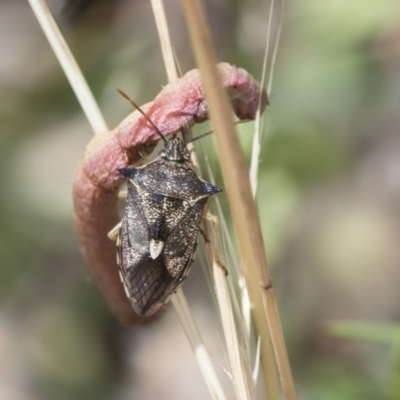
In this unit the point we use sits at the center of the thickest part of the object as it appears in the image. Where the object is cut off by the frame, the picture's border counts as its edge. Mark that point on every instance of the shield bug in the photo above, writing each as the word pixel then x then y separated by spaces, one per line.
pixel 158 234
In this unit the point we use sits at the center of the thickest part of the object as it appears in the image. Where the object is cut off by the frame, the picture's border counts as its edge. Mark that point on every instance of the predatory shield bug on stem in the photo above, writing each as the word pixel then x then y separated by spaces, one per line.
pixel 158 234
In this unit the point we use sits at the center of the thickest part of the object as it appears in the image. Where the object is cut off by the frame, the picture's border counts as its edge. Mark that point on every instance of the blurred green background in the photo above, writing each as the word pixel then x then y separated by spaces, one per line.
pixel 329 198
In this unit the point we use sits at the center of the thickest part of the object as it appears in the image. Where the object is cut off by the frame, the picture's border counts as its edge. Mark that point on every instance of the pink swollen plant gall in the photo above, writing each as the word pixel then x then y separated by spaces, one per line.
pixel 179 105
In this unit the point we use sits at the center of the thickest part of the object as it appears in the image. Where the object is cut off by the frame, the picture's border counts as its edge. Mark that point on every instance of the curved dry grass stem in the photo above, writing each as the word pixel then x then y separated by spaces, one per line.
pixel 275 51
pixel 200 351
pixel 236 334
pixel 258 132
pixel 255 154
pixel 165 41
pixel 245 217
pixel 69 65
pixel 241 382
pixel 243 385
pixel 178 300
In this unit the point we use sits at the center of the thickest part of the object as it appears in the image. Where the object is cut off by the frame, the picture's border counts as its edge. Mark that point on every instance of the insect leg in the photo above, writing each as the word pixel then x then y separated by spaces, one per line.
pixel 113 234
pixel 123 193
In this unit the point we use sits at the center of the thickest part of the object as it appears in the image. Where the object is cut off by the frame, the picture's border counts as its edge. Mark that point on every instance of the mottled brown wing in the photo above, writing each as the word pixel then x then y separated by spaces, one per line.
pixel 149 285
pixel 147 282
pixel 181 243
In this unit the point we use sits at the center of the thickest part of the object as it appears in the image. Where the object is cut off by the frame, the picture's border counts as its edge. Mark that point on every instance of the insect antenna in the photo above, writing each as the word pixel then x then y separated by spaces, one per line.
pixel 123 94
pixel 210 132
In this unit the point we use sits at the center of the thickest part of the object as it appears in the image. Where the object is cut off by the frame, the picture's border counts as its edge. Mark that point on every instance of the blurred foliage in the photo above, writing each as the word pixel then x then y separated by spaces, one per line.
pixel 373 332
pixel 329 195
